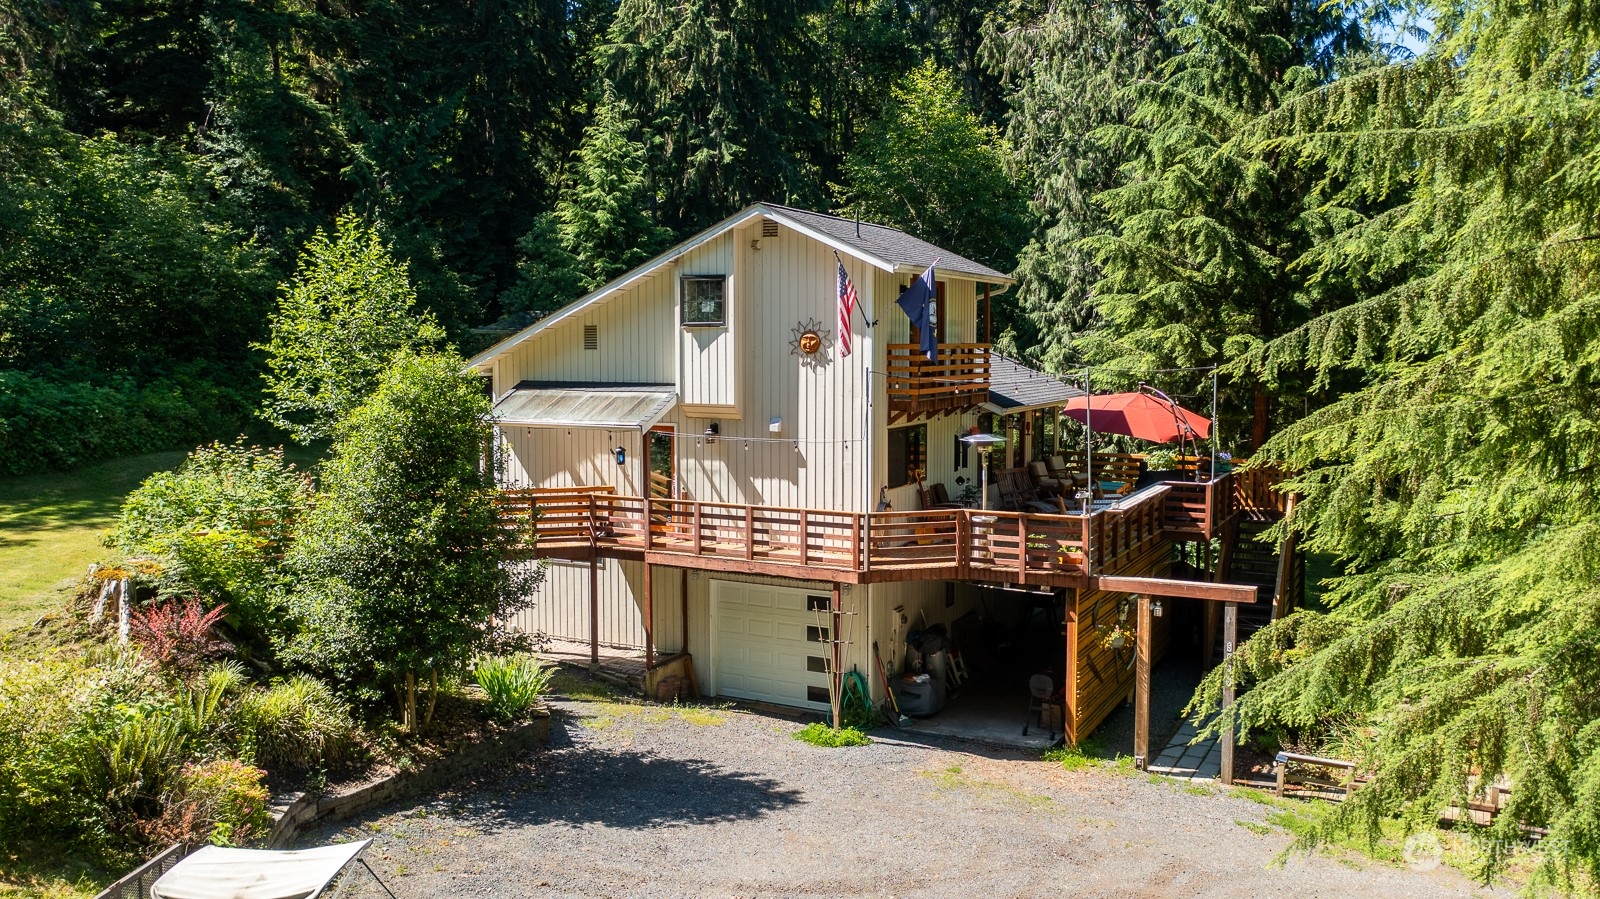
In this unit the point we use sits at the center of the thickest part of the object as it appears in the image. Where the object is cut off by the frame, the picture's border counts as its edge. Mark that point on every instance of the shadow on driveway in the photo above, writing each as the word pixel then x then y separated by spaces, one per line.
pixel 577 784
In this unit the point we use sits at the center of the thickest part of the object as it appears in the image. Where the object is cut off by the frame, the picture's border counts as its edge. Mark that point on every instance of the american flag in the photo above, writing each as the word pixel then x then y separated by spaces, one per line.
pixel 847 307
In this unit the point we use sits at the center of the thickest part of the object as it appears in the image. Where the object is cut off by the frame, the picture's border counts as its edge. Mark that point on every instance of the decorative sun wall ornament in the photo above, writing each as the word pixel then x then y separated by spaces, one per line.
pixel 810 342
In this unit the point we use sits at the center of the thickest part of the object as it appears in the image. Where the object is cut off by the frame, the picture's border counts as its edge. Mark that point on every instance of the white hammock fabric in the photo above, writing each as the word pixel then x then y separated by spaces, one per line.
pixel 218 873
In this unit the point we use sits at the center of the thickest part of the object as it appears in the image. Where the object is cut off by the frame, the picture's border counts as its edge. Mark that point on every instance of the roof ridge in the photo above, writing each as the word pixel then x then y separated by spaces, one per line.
pixel 841 218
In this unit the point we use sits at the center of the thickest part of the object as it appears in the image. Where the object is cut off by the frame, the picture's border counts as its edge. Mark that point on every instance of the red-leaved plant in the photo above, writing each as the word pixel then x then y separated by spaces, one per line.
pixel 178 635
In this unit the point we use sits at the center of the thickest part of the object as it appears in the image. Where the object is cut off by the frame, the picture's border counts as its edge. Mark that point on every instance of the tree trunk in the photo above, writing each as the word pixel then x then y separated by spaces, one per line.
pixel 433 697
pixel 408 705
pixel 1258 425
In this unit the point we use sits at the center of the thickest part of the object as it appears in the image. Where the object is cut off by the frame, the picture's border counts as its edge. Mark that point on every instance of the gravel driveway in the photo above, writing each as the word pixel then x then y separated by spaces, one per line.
pixel 635 800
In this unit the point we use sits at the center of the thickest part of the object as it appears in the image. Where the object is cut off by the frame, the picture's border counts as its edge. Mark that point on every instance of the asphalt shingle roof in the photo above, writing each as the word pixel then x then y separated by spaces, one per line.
pixel 1013 385
pixel 888 244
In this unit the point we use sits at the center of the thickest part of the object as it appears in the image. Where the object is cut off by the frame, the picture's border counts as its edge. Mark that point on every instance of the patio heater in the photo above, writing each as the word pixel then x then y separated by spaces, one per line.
pixel 984 443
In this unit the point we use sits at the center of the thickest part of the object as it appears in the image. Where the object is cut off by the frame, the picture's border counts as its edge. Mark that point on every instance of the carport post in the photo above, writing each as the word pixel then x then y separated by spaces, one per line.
pixel 649 618
pixel 1141 694
pixel 1230 636
pixel 594 607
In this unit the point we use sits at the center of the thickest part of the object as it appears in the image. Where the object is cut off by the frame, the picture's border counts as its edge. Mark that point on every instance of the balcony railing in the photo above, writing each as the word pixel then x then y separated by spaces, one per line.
pixel 958 380
pixel 1007 547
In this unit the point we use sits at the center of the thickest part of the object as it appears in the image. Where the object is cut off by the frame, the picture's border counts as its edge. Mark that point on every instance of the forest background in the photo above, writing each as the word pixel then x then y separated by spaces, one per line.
pixel 1378 219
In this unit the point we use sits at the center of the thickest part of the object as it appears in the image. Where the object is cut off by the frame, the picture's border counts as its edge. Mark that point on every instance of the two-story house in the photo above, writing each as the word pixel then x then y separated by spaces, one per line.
pixel 714 475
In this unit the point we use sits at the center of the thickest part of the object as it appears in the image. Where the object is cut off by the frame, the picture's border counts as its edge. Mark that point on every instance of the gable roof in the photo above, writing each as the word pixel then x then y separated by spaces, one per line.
pixel 877 245
pixel 899 249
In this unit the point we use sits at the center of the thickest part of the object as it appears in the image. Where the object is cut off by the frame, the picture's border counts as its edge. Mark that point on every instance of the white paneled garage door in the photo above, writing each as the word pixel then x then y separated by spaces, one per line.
pixel 770 643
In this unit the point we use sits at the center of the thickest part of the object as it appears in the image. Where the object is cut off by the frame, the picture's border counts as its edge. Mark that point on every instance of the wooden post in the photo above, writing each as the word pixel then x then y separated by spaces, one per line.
pixel 805 537
pixel 697 529
pixel 1230 634
pixel 649 617
pixel 1022 547
pixel 835 673
pixel 594 609
pixel 749 532
pixel 1141 694
pixel 683 600
pixel 1069 690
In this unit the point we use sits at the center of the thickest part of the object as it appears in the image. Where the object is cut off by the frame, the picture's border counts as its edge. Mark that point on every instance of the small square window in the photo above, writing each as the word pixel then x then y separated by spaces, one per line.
pixel 819 603
pixel 817 664
pixel 817 694
pixel 816 634
pixel 704 301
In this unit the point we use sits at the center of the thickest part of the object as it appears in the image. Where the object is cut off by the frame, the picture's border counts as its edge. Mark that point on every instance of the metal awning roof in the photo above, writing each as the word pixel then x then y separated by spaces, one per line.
pixel 537 404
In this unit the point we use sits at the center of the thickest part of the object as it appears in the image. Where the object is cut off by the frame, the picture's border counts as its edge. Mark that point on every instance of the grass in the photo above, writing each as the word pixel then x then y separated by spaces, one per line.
pixel 818 734
pixel 954 778
pixel 1076 758
pixel 50 529
pixel 51 524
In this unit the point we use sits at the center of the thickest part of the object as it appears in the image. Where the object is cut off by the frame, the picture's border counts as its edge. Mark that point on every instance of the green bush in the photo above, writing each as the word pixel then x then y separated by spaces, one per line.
pixel 513 683
pixel 222 802
pixel 818 734
pixel 57 419
pixel 218 524
pixel 299 723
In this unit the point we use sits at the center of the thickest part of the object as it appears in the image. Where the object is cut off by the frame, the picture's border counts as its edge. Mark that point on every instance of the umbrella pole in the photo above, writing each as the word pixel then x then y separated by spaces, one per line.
pixel 1213 440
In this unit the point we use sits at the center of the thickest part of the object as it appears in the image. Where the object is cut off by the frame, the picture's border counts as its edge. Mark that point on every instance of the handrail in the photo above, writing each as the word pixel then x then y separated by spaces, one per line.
pixel 1018 545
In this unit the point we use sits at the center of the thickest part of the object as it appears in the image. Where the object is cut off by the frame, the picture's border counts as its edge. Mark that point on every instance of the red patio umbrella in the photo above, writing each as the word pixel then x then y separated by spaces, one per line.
pixel 1140 415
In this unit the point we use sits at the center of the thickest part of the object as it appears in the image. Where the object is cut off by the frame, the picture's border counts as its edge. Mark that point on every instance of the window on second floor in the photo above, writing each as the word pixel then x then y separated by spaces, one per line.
pixel 908 452
pixel 705 301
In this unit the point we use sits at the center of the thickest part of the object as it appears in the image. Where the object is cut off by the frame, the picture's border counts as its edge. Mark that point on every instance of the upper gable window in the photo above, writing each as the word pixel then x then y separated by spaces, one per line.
pixel 705 301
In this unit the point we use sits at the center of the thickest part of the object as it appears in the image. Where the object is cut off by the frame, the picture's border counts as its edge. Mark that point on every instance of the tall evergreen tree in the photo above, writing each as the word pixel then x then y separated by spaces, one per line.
pixel 708 80
pixel 1458 484
pixel 929 166
pixel 601 226
pixel 1205 227
pixel 1064 66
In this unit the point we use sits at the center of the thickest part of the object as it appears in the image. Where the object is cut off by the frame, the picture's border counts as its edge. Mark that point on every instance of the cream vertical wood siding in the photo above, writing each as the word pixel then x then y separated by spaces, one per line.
pixel 561 604
pixel 819 458
pixel 709 361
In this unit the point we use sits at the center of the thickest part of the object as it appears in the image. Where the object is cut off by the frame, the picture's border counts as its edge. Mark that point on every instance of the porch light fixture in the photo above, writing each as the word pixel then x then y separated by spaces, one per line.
pixel 1155 608
pixel 622 455
pixel 712 430
pixel 775 426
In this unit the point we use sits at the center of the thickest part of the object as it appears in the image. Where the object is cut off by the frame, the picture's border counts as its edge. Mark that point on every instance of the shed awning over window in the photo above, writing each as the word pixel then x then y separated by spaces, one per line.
pixel 551 405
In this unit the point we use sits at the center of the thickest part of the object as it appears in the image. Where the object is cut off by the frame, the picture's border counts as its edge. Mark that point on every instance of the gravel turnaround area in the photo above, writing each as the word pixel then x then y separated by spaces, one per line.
pixel 641 800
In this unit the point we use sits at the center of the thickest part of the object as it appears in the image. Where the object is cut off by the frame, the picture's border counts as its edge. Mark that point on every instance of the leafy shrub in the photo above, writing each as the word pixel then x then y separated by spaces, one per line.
pixel 818 734
pixel 179 637
pixel 57 419
pixel 222 802
pixel 298 723
pixel 513 684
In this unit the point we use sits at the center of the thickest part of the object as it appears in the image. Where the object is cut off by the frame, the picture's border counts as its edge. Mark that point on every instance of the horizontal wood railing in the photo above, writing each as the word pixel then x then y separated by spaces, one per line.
pixel 958 379
pixel 991 545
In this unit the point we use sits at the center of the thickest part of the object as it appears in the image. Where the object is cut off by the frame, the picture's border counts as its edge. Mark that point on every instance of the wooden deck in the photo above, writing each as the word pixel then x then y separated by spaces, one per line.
pixel 853 547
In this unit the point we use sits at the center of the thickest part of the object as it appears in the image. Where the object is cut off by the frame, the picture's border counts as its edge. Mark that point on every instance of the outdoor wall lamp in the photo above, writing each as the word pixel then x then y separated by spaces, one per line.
pixel 775 426
pixel 712 430
pixel 1155 608
pixel 622 455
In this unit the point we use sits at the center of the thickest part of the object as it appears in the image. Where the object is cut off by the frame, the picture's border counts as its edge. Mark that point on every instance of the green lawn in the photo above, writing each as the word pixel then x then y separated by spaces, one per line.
pixel 51 524
pixel 50 528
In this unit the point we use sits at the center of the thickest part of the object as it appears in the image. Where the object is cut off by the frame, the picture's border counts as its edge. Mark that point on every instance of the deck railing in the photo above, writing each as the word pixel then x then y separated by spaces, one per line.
pixel 993 545
pixel 958 380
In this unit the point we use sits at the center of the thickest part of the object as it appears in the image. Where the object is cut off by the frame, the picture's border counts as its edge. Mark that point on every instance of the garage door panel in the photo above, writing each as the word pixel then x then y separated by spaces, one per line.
pixel 766 638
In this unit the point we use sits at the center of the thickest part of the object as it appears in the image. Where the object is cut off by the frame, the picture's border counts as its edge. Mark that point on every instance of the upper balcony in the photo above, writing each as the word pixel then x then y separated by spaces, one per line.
pixel 919 388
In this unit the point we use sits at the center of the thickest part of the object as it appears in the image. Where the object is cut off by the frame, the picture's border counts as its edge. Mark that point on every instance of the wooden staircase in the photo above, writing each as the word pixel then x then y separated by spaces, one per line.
pixel 1277 571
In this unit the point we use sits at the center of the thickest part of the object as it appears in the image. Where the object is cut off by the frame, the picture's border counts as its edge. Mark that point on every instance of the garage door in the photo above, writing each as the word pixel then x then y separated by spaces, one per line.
pixel 771 643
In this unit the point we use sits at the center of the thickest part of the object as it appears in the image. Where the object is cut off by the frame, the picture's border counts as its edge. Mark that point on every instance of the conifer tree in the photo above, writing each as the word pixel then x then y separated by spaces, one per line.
pixel 1457 483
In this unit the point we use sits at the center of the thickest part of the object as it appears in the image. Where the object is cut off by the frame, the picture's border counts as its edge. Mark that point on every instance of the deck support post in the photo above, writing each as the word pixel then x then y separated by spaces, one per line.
pixel 649 617
pixel 594 608
pixel 1230 634
pixel 1141 689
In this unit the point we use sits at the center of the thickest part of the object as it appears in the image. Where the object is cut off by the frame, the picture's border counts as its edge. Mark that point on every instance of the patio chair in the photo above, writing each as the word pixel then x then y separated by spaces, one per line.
pixel 1041 687
pixel 1046 484
pixel 1018 493
pixel 935 496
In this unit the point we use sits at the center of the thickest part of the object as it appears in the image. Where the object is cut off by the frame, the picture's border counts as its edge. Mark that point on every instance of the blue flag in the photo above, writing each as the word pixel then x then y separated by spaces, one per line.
pixel 917 301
